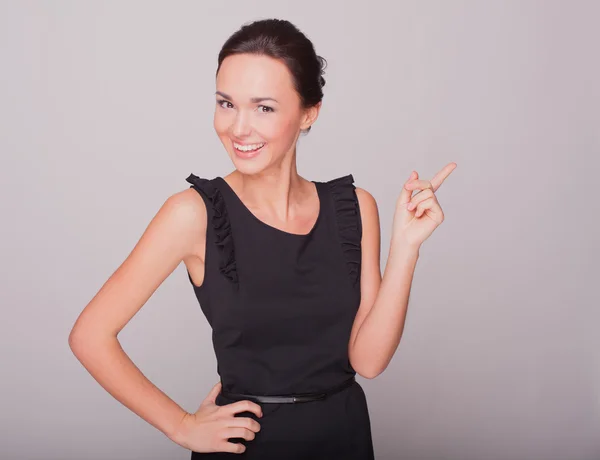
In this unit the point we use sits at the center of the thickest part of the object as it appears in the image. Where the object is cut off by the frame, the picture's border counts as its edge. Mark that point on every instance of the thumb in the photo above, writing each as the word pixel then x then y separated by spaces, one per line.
pixel 213 393
pixel 406 195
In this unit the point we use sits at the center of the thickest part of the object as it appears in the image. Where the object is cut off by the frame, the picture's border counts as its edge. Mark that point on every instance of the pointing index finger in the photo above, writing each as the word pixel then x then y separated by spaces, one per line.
pixel 441 176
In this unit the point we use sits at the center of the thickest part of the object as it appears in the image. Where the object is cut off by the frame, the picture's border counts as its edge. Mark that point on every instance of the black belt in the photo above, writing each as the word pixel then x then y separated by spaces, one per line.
pixel 289 398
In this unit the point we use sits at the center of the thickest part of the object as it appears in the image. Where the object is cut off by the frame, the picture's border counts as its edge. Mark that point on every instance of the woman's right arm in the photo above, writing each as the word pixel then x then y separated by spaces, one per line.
pixel 175 234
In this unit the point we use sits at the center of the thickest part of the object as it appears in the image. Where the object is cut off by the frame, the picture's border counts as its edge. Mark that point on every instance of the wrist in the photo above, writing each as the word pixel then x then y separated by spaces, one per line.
pixel 405 246
pixel 179 435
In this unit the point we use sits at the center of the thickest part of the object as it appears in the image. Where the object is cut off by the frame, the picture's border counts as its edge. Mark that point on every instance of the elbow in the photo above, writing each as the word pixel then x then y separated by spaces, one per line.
pixel 368 370
pixel 84 341
pixel 86 335
pixel 369 374
pixel 76 341
pixel 365 366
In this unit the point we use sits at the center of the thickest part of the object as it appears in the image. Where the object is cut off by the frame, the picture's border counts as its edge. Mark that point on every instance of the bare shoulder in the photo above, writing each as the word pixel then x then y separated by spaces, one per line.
pixel 368 208
pixel 371 239
pixel 186 206
pixel 187 215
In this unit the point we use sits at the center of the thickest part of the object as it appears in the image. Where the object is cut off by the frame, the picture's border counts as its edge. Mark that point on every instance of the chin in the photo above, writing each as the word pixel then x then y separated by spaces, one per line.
pixel 249 166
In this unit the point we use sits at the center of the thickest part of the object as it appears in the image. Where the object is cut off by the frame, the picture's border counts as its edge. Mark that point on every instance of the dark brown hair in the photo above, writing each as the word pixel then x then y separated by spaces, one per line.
pixel 280 39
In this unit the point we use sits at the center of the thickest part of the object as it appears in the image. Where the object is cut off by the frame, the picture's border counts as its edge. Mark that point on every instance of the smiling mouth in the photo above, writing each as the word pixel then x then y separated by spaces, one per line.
pixel 248 150
pixel 248 147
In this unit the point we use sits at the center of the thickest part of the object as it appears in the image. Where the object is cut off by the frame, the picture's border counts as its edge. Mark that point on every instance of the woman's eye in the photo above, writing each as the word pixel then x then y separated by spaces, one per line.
pixel 268 109
pixel 221 101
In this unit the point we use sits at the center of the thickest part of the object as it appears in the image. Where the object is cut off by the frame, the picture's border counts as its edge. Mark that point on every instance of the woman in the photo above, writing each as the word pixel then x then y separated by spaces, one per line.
pixel 286 271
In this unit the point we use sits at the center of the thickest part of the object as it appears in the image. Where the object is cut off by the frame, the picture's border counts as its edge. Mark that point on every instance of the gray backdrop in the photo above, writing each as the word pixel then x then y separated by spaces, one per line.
pixel 106 107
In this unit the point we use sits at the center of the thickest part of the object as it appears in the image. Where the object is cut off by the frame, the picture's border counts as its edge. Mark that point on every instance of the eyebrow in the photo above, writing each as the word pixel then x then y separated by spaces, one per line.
pixel 252 99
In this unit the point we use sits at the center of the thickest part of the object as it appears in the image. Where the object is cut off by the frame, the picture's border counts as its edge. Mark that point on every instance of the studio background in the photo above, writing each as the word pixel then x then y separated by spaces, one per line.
pixel 106 108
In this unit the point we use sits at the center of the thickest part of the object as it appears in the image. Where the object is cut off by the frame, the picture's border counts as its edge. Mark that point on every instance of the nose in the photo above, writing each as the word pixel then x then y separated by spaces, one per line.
pixel 241 125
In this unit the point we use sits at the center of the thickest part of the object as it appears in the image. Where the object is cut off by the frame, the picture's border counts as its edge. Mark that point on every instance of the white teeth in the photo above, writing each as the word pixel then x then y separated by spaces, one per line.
pixel 248 148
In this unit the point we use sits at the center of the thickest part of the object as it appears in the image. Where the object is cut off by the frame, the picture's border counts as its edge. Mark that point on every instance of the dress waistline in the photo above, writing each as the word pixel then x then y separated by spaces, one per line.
pixel 290 398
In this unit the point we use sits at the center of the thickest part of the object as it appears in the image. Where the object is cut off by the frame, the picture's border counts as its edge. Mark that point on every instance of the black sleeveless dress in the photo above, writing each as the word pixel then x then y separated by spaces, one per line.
pixel 281 307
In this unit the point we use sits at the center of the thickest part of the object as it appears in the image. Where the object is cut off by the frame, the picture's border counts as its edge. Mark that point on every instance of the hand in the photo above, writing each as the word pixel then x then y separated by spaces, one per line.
pixel 418 216
pixel 210 427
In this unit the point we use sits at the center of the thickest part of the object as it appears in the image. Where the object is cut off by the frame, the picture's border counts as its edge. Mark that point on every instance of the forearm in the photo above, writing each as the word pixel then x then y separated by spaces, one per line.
pixel 106 361
pixel 380 333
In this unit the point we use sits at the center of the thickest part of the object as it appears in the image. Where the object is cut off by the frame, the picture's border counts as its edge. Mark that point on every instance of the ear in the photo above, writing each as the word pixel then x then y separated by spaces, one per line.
pixel 310 116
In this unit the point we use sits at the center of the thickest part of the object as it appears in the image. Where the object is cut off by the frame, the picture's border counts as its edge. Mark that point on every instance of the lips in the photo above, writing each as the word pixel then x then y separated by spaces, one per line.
pixel 248 153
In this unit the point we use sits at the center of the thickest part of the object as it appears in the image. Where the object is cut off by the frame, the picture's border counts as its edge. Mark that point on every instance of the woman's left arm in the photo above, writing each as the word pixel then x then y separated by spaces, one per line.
pixel 380 319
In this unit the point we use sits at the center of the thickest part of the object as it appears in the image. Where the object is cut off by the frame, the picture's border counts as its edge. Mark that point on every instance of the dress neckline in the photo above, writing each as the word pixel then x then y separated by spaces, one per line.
pixel 251 214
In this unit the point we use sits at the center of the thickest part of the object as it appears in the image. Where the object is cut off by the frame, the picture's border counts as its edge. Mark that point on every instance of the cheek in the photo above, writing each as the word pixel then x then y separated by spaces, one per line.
pixel 220 123
pixel 278 130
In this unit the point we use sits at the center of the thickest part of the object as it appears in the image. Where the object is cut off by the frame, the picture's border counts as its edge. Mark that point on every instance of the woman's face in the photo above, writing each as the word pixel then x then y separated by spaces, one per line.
pixel 258 110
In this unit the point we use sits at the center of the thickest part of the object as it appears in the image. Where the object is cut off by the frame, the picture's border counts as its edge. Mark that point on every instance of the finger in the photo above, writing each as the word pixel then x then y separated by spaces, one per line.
pixel 423 206
pixel 238 432
pixel 244 422
pixel 441 176
pixel 405 193
pixel 418 185
pixel 213 393
pixel 418 198
pixel 244 406
pixel 233 447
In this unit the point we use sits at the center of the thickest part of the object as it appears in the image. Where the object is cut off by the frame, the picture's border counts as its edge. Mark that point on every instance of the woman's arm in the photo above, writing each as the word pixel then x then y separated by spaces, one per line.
pixel 379 322
pixel 176 233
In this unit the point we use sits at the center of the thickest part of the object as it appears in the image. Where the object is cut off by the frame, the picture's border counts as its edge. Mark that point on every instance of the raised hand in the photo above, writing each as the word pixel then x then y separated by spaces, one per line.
pixel 209 429
pixel 417 216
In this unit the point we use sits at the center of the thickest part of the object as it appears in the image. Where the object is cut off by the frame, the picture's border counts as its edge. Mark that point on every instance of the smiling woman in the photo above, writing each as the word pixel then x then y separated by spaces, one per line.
pixel 283 311
pixel 285 270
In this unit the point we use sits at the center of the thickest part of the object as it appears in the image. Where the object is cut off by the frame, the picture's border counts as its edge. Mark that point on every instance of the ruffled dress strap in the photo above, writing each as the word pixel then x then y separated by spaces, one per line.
pixel 349 225
pixel 220 223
